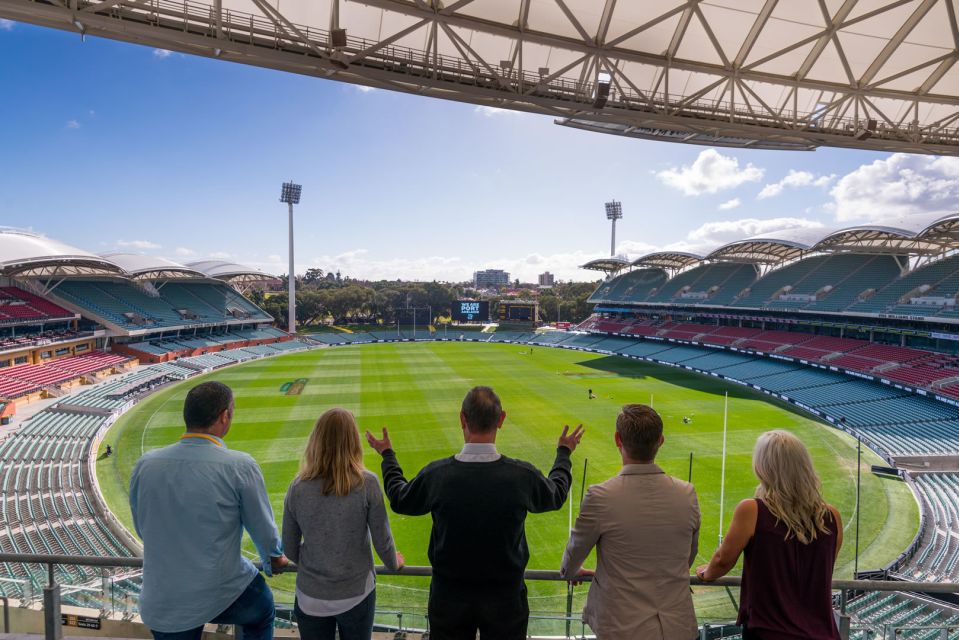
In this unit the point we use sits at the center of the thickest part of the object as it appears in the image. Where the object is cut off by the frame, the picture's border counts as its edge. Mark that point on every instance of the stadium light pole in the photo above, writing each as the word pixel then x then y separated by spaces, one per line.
pixel 614 212
pixel 290 194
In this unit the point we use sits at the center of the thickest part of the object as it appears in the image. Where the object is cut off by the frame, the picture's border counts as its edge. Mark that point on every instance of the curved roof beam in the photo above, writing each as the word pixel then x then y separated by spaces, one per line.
pixel 673 260
pixel 760 251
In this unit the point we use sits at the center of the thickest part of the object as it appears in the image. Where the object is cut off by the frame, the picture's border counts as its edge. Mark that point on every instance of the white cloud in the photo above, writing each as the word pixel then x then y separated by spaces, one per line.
pixel 137 244
pixel 184 252
pixel 795 179
pixel 364 89
pixel 359 263
pixel 73 124
pixel 728 230
pixel 6 25
pixel 899 185
pixel 162 54
pixel 490 112
pixel 711 172
pixel 730 204
pixel 220 255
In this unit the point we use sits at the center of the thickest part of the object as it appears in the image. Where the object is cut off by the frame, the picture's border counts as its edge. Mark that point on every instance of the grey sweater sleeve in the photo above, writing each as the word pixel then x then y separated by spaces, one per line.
pixel 291 528
pixel 379 525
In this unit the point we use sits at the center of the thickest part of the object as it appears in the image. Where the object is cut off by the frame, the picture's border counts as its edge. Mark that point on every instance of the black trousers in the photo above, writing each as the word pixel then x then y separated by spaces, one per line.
pixel 501 614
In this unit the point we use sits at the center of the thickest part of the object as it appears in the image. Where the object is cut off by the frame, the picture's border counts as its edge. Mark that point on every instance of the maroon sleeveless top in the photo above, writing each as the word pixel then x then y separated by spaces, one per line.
pixel 786 591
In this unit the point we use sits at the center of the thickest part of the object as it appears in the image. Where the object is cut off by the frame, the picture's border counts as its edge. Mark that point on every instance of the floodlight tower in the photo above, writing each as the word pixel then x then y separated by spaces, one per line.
pixel 290 194
pixel 614 212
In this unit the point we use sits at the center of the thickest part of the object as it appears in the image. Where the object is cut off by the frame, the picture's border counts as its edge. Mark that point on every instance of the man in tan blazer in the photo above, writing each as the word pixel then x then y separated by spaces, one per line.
pixel 645 527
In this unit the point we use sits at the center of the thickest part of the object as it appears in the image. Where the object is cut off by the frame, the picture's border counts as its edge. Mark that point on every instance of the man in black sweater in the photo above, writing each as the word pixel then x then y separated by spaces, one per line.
pixel 479 500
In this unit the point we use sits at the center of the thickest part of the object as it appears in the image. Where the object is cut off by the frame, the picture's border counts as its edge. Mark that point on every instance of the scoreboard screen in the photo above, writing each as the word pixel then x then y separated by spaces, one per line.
pixel 470 310
pixel 518 312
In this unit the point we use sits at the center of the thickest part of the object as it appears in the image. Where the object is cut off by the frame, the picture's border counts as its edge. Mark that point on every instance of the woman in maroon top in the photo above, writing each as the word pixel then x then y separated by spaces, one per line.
pixel 791 538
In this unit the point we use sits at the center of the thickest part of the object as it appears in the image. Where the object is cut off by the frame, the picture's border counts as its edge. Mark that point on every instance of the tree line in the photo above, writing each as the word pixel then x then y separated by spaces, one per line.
pixel 323 298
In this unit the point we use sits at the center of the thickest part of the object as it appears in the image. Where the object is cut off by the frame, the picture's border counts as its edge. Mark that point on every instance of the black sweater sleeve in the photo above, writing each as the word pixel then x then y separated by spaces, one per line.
pixel 410 498
pixel 549 493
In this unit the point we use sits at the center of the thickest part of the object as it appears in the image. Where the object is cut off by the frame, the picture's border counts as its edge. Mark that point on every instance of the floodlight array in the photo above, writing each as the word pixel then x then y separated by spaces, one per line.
pixel 614 210
pixel 291 193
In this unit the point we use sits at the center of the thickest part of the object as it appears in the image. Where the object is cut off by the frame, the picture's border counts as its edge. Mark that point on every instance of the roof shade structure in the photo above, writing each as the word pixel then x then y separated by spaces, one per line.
pixel 607 265
pixel 669 260
pixel 879 239
pixel 23 253
pixel 144 267
pixel 784 246
pixel 944 230
pixel 870 74
pixel 230 272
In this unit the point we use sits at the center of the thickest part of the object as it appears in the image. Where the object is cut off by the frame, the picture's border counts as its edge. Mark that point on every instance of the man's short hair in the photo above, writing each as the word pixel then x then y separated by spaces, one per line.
pixel 482 409
pixel 204 404
pixel 639 428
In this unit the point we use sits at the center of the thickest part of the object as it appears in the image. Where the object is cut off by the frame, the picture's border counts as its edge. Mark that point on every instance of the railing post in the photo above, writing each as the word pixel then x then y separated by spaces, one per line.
pixel 6 613
pixel 52 624
pixel 844 618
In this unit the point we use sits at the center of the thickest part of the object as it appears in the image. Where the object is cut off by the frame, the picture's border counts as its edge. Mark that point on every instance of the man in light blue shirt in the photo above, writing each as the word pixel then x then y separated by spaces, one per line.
pixel 191 502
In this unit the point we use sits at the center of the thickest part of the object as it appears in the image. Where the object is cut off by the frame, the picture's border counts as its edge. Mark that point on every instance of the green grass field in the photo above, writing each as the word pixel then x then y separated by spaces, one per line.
pixel 416 390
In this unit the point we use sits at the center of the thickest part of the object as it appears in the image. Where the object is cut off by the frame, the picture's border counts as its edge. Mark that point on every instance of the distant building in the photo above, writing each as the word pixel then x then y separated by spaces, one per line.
pixel 490 278
pixel 546 279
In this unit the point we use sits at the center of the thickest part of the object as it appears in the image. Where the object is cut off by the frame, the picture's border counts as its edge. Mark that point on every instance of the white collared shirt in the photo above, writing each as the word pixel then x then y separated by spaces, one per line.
pixel 478 452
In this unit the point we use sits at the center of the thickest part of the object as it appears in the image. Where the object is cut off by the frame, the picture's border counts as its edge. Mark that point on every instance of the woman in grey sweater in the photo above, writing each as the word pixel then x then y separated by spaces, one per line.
pixel 333 508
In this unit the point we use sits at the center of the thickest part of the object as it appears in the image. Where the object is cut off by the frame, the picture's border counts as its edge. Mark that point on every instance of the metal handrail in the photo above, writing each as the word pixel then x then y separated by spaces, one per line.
pixel 530 574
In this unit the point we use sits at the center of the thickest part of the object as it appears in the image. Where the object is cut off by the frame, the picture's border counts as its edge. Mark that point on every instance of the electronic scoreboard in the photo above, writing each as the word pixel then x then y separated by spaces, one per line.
pixel 515 311
pixel 470 310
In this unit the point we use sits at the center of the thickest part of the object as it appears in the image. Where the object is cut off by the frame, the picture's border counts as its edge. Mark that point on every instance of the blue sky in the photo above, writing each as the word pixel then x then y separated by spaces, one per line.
pixel 112 146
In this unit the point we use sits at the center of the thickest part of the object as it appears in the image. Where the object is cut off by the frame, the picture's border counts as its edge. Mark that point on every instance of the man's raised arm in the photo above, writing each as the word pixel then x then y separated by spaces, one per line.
pixel 407 497
pixel 549 493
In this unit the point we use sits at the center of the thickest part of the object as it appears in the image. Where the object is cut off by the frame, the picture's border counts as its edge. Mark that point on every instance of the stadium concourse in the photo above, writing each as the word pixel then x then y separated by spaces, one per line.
pixel 855 327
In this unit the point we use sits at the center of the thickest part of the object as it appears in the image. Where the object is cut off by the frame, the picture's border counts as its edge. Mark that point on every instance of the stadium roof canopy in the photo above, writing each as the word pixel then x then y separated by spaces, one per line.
pixel 879 239
pixel 23 253
pixel 230 272
pixel 607 265
pixel 871 74
pixel 945 229
pixel 673 260
pixel 144 267
pixel 784 246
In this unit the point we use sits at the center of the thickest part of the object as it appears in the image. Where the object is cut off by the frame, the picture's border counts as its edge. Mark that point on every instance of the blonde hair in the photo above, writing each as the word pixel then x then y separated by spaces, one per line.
pixel 333 453
pixel 789 486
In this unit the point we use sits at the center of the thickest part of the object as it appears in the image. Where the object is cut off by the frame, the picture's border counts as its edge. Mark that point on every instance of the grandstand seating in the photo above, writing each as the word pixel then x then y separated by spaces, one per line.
pixel 713 283
pixel 129 306
pixel 762 291
pixel 17 305
pixel 57 371
pixel 845 273
pixel 634 286
pixel 940 275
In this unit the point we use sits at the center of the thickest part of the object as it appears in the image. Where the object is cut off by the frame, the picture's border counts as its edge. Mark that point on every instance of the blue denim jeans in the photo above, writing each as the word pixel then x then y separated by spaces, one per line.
pixel 253 612
pixel 355 624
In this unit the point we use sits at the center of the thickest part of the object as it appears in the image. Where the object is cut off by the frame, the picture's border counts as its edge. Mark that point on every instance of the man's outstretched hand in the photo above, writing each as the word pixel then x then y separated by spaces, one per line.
pixel 382 444
pixel 570 440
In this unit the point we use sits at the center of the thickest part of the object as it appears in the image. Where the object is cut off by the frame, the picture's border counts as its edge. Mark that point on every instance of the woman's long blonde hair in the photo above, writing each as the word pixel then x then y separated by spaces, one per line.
pixel 333 453
pixel 789 486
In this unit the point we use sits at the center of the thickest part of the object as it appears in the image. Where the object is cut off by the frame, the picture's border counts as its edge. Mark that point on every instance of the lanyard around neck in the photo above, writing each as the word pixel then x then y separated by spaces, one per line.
pixel 201 435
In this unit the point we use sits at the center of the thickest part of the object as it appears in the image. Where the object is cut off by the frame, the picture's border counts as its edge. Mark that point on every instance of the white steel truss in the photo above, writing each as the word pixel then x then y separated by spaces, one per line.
pixel 780 74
